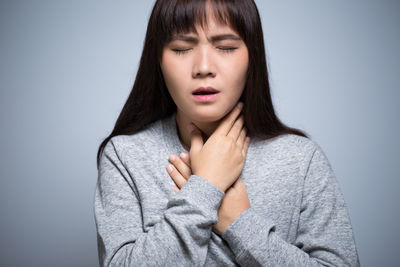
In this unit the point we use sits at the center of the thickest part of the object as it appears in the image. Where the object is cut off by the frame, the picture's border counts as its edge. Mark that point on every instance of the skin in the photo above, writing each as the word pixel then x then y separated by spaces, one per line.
pixel 221 64
pixel 235 200
pixel 217 144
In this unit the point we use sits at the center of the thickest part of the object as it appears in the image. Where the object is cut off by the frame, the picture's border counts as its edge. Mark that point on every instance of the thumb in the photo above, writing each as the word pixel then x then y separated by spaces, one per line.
pixel 196 139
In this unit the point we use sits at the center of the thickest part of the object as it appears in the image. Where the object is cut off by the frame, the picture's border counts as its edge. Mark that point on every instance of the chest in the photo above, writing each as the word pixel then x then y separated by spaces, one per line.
pixel 274 191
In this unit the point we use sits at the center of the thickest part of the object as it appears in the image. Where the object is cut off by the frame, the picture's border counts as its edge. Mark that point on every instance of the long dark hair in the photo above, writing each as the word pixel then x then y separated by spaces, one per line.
pixel 150 100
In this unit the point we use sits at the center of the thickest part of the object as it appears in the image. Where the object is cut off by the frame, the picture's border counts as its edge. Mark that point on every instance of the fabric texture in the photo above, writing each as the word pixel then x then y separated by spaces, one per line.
pixel 298 215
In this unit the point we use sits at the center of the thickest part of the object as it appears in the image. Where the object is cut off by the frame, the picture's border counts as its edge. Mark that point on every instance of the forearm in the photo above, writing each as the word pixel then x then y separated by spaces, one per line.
pixel 255 243
pixel 180 238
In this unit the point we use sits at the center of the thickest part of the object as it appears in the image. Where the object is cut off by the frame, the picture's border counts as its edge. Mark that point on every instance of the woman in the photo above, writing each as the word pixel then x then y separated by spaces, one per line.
pixel 201 87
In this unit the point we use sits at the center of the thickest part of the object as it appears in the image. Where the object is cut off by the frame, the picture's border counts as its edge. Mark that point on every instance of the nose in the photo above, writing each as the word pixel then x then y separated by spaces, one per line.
pixel 203 65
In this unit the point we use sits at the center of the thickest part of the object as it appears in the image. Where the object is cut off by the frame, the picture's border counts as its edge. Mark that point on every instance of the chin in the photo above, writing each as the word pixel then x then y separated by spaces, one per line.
pixel 210 117
pixel 205 113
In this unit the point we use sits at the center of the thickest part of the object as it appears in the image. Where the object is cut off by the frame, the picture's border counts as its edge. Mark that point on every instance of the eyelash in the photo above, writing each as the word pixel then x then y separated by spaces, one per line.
pixel 223 49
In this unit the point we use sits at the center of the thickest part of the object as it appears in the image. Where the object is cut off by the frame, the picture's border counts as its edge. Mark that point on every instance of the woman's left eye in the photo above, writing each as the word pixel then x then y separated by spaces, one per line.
pixel 227 49
pixel 223 49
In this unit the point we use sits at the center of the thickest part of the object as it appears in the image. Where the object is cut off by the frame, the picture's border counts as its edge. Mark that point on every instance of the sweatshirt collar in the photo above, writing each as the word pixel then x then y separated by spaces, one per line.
pixel 171 137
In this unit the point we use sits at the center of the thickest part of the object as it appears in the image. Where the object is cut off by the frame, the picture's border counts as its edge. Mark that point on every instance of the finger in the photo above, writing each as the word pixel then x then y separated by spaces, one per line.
pixel 236 128
pixel 242 138
pixel 185 158
pixel 196 139
pixel 176 189
pixel 225 126
pixel 183 169
pixel 246 146
pixel 176 176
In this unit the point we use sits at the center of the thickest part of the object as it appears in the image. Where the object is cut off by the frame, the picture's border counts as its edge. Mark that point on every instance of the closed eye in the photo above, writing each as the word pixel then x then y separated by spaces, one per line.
pixel 227 49
pixel 179 51
pixel 223 49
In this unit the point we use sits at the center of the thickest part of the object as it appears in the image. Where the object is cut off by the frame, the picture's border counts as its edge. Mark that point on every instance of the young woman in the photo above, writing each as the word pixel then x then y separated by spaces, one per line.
pixel 201 88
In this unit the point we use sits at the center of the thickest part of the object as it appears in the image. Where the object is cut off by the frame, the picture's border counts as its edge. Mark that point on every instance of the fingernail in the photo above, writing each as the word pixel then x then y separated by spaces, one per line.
pixel 247 139
pixel 170 168
pixel 175 188
pixel 240 105
pixel 183 155
pixel 172 157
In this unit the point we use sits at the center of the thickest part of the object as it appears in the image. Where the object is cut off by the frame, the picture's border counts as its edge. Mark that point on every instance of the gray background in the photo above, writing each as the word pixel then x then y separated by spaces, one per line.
pixel 67 67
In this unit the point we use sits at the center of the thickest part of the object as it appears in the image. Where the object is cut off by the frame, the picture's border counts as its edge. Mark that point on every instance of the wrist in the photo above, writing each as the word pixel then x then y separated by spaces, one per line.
pixel 216 182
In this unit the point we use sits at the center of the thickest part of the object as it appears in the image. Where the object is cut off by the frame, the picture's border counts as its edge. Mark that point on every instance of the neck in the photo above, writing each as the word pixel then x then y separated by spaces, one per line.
pixel 182 122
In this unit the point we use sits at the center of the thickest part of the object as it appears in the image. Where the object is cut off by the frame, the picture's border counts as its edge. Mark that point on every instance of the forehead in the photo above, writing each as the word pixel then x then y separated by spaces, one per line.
pixel 210 27
pixel 204 19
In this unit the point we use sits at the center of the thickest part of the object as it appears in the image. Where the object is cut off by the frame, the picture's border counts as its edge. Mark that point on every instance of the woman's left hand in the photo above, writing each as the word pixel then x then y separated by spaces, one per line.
pixel 232 205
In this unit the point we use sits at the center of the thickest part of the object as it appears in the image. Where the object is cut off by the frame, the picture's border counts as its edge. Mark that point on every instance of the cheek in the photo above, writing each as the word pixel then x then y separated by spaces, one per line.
pixel 242 71
pixel 237 71
pixel 172 72
pixel 175 79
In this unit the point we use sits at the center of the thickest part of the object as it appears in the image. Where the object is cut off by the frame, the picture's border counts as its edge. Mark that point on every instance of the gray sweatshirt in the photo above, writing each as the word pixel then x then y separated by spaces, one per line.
pixel 298 216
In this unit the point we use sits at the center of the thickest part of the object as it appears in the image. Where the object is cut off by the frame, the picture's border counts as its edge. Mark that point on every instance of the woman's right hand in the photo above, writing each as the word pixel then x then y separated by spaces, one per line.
pixel 221 159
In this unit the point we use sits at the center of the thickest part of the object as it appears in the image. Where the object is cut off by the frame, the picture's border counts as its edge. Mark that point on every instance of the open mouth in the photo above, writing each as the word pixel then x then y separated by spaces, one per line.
pixel 205 93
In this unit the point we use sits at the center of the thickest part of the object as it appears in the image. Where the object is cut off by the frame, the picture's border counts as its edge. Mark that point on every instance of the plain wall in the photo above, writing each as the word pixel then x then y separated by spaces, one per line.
pixel 67 67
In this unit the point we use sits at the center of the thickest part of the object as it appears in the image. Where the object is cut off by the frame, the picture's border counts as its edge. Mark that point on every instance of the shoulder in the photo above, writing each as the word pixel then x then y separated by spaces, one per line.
pixel 292 155
pixel 147 139
pixel 285 149
pixel 286 144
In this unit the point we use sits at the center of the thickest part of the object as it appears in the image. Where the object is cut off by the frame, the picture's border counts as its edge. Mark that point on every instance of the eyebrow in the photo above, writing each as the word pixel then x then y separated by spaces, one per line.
pixel 214 38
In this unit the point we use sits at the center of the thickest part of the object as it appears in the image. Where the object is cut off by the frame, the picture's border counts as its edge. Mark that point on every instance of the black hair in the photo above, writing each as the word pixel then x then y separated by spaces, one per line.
pixel 149 99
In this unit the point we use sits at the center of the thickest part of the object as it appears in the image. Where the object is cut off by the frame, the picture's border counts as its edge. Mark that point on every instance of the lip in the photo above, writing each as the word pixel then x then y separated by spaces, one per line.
pixel 205 89
pixel 205 98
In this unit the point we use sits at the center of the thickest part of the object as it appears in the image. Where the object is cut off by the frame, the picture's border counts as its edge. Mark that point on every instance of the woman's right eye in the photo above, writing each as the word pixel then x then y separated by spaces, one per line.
pixel 180 51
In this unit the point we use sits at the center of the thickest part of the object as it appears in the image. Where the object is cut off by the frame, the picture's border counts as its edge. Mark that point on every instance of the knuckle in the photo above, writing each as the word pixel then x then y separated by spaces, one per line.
pixel 239 124
pixel 216 138
pixel 186 175
pixel 241 154
pixel 177 163
pixel 230 141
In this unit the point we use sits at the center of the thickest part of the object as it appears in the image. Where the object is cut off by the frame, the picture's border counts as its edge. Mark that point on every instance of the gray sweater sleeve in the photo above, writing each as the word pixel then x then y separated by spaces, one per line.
pixel 324 235
pixel 181 236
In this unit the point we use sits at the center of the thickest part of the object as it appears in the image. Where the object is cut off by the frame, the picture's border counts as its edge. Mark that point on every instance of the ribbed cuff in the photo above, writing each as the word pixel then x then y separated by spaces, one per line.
pixel 202 192
pixel 247 232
